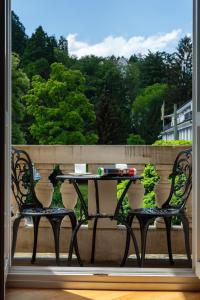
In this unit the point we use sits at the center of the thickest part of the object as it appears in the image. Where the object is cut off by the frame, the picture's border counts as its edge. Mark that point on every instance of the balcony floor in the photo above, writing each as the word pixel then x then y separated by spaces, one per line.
pixel 152 261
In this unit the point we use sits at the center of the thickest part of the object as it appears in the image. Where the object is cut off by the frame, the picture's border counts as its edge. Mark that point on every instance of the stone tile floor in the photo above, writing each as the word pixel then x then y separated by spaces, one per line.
pixel 152 261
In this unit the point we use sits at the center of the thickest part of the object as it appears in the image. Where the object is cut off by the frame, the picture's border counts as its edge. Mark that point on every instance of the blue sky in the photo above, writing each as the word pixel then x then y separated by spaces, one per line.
pixel 105 27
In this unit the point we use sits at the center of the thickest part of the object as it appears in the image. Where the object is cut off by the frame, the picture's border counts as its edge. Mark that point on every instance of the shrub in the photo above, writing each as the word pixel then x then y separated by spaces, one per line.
pixel 120 188
pixel 135 139
pixel 57 198
pixel 172 143
pixel 149 200
pixel 150 179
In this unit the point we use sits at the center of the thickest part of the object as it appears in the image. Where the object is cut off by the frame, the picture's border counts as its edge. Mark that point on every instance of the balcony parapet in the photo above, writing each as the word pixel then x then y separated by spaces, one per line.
pixel 47 157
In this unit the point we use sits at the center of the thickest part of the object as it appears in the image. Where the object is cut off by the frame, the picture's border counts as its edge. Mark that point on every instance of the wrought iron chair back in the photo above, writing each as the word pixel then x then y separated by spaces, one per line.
pixel 23 180
pixel 181 178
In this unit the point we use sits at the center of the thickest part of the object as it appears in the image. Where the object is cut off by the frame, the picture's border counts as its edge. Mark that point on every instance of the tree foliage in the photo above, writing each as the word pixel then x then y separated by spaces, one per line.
pixel 39 53
pixel 146 112
pixel 20 86
pixel 19 37
pixel 63 44
pixel 123 96
pixel 180 73
pixel 106 88
pixel 135 139
pixel 62 113
pixel 112 106
pixel 153 69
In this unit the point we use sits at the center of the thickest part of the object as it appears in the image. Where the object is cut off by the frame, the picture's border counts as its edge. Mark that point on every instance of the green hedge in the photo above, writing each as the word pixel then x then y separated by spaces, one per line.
pixel 135 139
pixel 151 178
pixel 172 143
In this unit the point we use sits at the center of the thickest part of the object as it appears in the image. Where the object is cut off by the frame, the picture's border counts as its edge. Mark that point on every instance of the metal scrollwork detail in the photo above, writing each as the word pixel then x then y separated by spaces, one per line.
pixel 22 179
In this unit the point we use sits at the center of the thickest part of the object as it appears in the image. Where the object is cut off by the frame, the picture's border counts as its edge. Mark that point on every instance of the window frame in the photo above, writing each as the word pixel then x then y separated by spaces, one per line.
pixel 5 138
pixel 2 142
pixel 124 278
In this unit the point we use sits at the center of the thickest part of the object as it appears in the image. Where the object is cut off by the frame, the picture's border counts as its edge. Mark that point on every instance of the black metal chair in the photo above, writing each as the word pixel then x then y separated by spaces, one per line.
pixel 181 185
pixel 29 206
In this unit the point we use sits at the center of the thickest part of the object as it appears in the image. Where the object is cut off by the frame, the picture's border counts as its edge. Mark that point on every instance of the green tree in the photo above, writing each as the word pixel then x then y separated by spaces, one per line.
pixel 38 67
pixel 61 57
pixel 63 44
pixel 62 113
pixel 106 88
pixel 20 86
pixel 134 58
pixel 92 69
pixel 112 106
pixel 135 139
pixel 107 125
pixel 132 79
pixel 39 53
pixel 184 56
pixel 146 112
pixel 153 69
pixel 180 74
pixel 19 37
pixel 61 52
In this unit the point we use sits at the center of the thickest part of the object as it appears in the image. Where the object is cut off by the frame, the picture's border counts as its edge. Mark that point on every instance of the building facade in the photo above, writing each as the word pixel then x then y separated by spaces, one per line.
pixel 184 124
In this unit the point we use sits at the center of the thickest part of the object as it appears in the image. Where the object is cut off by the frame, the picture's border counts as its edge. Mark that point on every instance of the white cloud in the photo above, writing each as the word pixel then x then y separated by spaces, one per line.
pixel 120 46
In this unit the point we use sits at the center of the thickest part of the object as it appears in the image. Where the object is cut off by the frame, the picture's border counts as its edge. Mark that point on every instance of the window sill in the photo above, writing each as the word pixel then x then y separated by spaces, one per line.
pixel 103 278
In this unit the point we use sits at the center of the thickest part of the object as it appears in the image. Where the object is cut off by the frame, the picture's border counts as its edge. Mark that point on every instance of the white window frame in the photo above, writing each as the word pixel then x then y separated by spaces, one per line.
pixel 7 133
pixel 126 278
pixel 196 138
pixel 8 139
pixel 5 128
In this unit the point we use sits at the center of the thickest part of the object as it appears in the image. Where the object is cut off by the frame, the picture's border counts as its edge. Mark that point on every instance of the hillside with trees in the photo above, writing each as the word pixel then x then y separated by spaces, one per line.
pixel 61 99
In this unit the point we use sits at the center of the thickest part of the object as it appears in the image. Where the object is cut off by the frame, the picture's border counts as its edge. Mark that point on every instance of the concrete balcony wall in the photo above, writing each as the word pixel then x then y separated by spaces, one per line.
pixel 110 239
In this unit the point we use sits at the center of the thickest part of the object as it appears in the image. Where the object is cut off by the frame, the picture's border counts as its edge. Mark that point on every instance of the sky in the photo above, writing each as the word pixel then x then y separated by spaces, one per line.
pixel 107 27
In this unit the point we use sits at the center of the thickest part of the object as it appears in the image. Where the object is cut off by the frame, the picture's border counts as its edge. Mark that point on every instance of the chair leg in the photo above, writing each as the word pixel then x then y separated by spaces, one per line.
pixel 15 231
pixel 36 221
pixel 128 238
pixel 72 243
pixel 135 246
pixel 185 223
pixel 94 240
pixel 168 222
pixel 74 223
pixel 55 223
pixel 77 252
pixel 144 225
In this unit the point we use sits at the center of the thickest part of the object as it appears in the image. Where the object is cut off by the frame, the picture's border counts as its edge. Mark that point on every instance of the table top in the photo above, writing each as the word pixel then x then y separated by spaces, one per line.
pixel 98 177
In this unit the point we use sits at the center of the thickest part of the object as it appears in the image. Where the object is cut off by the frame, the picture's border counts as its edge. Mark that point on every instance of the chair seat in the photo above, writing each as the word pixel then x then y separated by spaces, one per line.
pixel 46 212
pixel 155 212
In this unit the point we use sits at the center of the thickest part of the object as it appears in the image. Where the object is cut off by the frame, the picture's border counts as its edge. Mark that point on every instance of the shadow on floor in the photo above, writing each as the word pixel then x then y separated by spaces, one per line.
pixel 42 294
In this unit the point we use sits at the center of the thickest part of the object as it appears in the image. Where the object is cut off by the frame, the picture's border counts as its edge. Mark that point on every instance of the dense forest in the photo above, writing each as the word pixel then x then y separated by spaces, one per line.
pixel 61 99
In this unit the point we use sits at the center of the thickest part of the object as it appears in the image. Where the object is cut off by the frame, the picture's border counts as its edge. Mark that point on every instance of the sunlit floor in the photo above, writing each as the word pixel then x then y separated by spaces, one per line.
pixel 48 259
pixel 30 294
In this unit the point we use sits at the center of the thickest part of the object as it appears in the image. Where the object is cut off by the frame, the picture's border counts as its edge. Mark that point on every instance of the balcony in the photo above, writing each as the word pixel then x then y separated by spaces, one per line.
pixel 110 239
pixel 167 126
pixel 188 116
